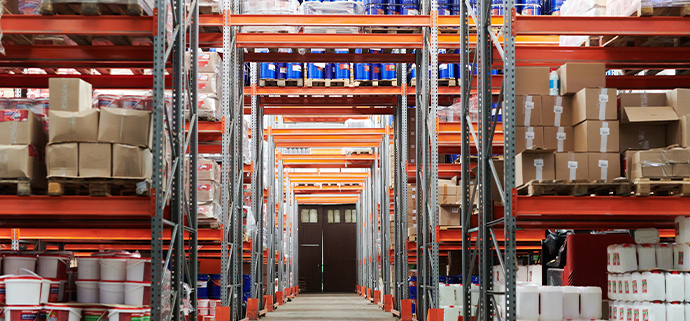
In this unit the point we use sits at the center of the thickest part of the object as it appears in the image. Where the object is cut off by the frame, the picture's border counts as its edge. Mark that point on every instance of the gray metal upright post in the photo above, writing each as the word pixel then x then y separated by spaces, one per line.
pixel 281 227
pixel 271 218
pixel 257 193
pixel 385 216
pixel 193 152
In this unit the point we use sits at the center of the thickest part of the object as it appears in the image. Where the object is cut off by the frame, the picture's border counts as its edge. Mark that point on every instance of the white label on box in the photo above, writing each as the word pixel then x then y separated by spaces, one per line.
pixel 603 98
pixel 529 105
pixel 572 164
pixel 603 163
pixel 604 131
pixel 560 136
pixel 529 135
pixel 539 162
pixel 557 109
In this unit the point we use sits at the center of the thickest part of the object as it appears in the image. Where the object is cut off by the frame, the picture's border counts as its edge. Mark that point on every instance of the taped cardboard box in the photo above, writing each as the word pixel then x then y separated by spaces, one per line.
pixel 557 110
pixel 23 161
pixel 528 138
pixel 560 139
pixel 572 166
pixel 124 126
pixel 70 94
pixel 652 114
pixel 21 127
pixel 209 62
pixel 576 76
pixel 95 160
pixel 208 210
pixel 62 160
pixel 412 231
pixel 643 136
pixel 207 83
pixel 68 126
pixel 207 191
pixel 595 104
pixel 679 99
pixel 658 163
pixel 604 166
pixel 531 165
pixel 678 133
pixel 131 162
pixel 642 99
pixel 532 80
pixel 449 215
pixel 208 170
pixel 597 136
pixel 528 110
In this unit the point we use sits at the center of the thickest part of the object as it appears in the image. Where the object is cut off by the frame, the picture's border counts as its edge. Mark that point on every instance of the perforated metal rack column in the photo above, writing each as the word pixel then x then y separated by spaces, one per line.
pixel 271 216
pixel 400 190
pixel 384 209
pixel 281 241
pixel 257 188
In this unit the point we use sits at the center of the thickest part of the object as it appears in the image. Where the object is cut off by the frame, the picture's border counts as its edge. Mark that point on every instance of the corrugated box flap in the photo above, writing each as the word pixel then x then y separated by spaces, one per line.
pixel 648 114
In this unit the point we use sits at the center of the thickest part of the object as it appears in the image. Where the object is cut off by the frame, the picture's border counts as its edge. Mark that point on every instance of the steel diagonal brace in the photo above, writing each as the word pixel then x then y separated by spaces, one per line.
pixel 494 37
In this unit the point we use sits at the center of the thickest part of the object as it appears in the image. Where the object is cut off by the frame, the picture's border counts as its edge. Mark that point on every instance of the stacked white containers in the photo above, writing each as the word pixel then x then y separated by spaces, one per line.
pixel 558 302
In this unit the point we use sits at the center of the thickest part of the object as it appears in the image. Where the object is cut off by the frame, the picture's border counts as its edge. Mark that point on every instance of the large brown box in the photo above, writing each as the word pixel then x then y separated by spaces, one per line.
pixel 658 163
pixel 69 126
pixel 62 160
pixel 677 133
pixel 679 99
pixel 642 136
pixel 575 76
pixel 124 126
pixel 95 160
pixel 528 138
pixel 27 130
pixel 208 191
pixel 657 115
pixel 604 166
pixel 207 170
pixel 532 80
pixel 588 103
pixel 642 99
pixel 70 94
pixel 554 114
pixel 531 165
pixel 572 166
pixel 560 139
pixel 596 136
pixel 528 110
pixel 449 215
pixel 131 162
pixel 209 62
pixel 23 161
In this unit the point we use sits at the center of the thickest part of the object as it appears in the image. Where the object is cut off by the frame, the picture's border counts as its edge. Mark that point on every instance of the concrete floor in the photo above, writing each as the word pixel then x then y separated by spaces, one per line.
pixel 329 307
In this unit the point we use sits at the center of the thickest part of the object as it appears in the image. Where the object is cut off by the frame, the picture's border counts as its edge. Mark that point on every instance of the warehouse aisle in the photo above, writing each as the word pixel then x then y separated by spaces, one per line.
pixel 329 307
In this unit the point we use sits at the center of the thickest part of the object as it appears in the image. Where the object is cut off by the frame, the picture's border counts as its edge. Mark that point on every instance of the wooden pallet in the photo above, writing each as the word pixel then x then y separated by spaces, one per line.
pixel 448 30
pixel 448 82
pixel 649 11
pixel 327 82
pixel 98 187
pixel 619 187
pixel 376 83
pixel 663 186
pixel 208 222
pixel 281 82
pixel 17 186
pixel 130 8
pixel 392 30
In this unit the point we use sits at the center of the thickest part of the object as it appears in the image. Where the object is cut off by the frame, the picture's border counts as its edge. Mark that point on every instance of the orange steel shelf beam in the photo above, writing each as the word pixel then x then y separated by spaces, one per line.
pixel 322 20
pixel 78 25
pixel 327 200
pixel 328 189
pixel 100 234
pixel 76 56
pixel 360 91
pixel 602 26
pixel 111 207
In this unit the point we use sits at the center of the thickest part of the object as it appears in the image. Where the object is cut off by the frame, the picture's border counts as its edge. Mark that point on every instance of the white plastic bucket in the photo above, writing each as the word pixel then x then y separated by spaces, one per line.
pixel 45 291
pixel 62 312
pixel 119 314
pixel 202 303
pixel 675 312
pixel 88 291
pixel 675 287
pixel 95 314
pixel 52 266
pixel 204 311
pixel 664 256
pixel 22 312
pixel 646 256
pixel 88 268
pixel 112 292
pixel 551 300
pixel 571 302
pixel 23 290
pixel 137 293
pixel 18 264
pixel 113 269
pixel 138 269
pixel 590 302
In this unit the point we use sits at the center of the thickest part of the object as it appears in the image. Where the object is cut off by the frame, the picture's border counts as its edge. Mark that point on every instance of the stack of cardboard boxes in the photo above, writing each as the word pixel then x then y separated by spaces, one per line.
pixel 92 143
pixel 573 136
pixel 449 199
pixel 208 86
pixel 208 188
pixel 22 144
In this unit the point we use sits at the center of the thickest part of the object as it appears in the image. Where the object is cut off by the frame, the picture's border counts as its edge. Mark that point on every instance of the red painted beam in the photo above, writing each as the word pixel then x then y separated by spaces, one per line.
pixel 78 25
pixel 97 81
pixel 47 56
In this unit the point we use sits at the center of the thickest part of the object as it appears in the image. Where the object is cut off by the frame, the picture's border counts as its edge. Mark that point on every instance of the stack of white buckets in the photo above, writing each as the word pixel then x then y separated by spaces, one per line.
pixel 114 280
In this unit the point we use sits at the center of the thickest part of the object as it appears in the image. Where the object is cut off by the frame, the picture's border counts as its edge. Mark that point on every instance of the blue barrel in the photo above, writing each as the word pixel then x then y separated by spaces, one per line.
pixel 410 10
pixel 342 70
pixel 388 71
pixel 496 7
pixel 329 71
pixel 375 73
pixel 268 70
pixel 444 2
pixel 453 279
pixel 361 70
pixel 474 279
pixel 393 7
pixel 445 70
pixel 442 279
pixel 374 7
pixel 411 72
pixel 214 286
pixel 556 7
pixel 246 287
pixel 532 8
pixel 315 70
pixel 412 282
pixel 413 2
pixel 202 286
pixel 281 70
pixel 444 10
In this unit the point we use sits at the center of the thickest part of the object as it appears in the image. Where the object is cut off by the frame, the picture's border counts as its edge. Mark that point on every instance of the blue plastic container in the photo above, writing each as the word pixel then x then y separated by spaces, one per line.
pixel 361 69
pixel 411 72
pixel 374 7
pixel 214 286
pixel 556 7
pixel 329 71
pixel 246 287
pixel 375 73
pixel 532 8
pixel 445 70
pixel 453 279
pixel 388 71
pixel 342 71
pixel 268 70
pixel 496 7
pixel 412 282
pixel 393 8
pixel 316 70
pixel 410 10
pixel 202 286
pixel 414 2
pixel 444 10
pixel 474 279
pixel 281 70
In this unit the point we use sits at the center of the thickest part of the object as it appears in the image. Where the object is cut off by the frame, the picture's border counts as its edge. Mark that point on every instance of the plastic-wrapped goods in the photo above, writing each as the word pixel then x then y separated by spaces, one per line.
pixel 653 286
pixel 571 302
pixel 664 256
pixel 269 7
pixel 675 311
pixel 527 302
pixel 635 280
pixel 332 8
pixel 551 302
pixel 591 8
pixel 675 287
pixel 446 295
pixel 646 256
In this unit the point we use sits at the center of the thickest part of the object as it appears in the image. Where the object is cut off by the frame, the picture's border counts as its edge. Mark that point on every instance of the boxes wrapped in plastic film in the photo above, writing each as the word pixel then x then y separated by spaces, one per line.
pixel 269 7
pixel 95 7
pixel 642 7
pixel 671 162
pixel 332 8
pixel 587 8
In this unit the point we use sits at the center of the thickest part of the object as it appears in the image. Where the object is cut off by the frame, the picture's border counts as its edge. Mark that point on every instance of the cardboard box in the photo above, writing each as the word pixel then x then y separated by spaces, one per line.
pixel 604 166
pixel 679 99
pixel 595 104
pixel 23 161
pixel 528 138
pixel 95 159
pixel 528 110
pixel 21 127
pixel 648 164
pixel 576 76
pixel 449 215
pixel 412 231
pixel 207 170
pixel 208 210
pixel 131 162
pixel 208 83
pixel 124 126
pixel 677 133
pixel 62 160
pixel 642 99
pixel 560 139
pixel 557 110
pixel 572 166
pixel 68 126
pixel 657 115
pixel 531 165
pixel 70 94
pixel 642 136
pixel 532 80
pixel 209 62
pixel 207 191
pixel 597 136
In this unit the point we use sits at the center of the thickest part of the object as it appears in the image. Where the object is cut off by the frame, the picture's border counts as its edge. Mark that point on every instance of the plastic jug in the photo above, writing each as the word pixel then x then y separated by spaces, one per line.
pixel 657 311
pixel 551 302
pixel 610 285
pixel 571 302
pixel 635 279
pixel 610 267
pixel 627 278
pixel 664 256
pixel 686 277
pixel 627 254
pixel 653 286
pixel 682 229
pixel 675 287
pixel 681 250
pixel 590 302
pixel 675 311
pixel 646 256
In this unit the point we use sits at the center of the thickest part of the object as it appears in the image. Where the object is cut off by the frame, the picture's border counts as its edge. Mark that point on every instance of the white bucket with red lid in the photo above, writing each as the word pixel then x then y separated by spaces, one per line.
pixel 62 312
pixel 15 264
pixel 112 292
pixel 88 268
pixel 53 266
pixel 113 268
pixel 23 290
pixel 138 269
pixel 88 291
pixel 22 312
pixel 138 293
